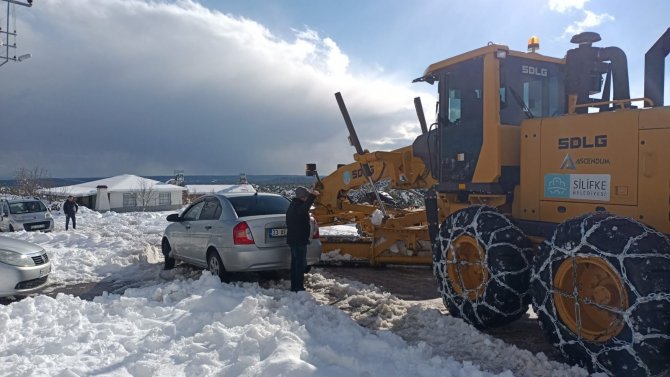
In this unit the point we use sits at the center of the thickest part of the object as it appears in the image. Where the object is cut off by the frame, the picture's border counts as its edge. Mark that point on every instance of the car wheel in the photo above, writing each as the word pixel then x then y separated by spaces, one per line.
pixel 215 265
pixel 11 228
pixel 483 267
pixel 601 290
pixel 167 249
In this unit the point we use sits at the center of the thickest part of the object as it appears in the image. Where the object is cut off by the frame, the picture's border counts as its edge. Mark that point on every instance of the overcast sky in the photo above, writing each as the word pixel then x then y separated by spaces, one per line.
pixel 224 87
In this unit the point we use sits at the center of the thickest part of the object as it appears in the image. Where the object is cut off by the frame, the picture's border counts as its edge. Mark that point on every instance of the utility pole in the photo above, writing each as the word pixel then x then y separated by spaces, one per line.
pixel 8 35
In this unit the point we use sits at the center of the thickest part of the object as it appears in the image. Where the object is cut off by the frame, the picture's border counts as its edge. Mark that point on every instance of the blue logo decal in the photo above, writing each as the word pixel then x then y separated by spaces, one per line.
pixel 346 177
pixel 557 186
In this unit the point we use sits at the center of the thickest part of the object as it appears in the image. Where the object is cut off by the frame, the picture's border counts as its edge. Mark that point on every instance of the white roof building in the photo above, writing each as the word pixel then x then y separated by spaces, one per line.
pixel 123 193
pixel 219 189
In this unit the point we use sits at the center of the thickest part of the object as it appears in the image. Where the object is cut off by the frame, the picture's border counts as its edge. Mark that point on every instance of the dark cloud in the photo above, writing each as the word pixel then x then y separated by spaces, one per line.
pixel 147 87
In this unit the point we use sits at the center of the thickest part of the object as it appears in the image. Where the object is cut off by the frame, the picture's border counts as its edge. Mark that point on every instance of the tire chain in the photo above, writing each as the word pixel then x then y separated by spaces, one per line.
pixel 445 239
pixel 589 224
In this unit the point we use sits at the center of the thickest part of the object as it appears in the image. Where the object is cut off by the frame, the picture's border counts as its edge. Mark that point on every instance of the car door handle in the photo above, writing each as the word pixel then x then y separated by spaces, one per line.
pixel 208 227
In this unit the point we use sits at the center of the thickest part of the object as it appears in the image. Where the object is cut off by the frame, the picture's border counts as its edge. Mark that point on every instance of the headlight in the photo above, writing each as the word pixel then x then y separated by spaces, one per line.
pixel 16 259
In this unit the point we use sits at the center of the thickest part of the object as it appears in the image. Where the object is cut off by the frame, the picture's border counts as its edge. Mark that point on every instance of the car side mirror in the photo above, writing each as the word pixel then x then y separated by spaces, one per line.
pixel 174 218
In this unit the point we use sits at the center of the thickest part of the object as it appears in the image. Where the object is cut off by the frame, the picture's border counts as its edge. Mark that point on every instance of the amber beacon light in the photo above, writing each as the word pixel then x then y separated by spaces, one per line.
pixel 533 44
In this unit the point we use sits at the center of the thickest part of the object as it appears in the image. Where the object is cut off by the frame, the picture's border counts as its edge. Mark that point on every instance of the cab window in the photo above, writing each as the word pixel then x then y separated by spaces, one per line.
pixel 530 89
pixel 460 119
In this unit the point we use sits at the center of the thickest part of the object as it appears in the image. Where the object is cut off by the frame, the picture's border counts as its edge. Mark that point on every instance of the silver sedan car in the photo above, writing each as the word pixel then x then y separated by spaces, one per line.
pixel 234 232
pixel 24 267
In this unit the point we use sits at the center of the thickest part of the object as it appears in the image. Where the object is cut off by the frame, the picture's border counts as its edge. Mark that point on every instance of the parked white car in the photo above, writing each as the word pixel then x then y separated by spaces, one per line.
pixel 25 214
pixel 24 267
pixel 234 232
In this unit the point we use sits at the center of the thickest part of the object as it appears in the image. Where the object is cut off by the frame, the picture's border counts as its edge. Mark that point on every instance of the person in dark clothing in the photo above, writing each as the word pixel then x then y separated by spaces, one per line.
pixel 70 208
pixel 298 229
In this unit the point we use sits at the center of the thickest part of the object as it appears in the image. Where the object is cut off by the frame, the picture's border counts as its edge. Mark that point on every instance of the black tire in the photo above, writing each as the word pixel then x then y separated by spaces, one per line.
pixel 504 254
pixel 167 254
pixel 626 331
pixel 215 265
pixel 11 228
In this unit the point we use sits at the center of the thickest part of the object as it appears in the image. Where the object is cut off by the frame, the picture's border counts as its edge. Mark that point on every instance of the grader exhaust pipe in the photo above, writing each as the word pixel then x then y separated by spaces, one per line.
pixel 654 69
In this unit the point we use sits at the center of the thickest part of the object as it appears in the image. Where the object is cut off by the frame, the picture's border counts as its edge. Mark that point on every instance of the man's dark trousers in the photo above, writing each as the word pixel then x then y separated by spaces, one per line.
pixel 67 221
pixel 298 265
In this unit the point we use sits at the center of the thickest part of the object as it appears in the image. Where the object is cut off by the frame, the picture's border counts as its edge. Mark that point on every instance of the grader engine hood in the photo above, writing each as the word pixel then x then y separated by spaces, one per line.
pixel 590 159
pixel 595 163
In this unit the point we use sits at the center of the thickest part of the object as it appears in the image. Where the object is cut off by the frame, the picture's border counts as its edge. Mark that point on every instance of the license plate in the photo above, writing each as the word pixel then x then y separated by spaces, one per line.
pixel 278 232
pixel 38 226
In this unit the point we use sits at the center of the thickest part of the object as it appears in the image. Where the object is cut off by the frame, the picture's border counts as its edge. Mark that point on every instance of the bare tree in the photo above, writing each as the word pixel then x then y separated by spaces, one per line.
pixel 55 196
pixel 29 181
pixel 145 193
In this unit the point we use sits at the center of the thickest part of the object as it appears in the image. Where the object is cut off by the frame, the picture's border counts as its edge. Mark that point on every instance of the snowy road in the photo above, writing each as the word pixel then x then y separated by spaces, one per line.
pixel 187 323
pixel 418 322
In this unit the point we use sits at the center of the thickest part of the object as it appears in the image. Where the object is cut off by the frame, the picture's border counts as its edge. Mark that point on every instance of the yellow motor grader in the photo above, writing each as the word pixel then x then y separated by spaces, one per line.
pixel 540 193
pixel 388 234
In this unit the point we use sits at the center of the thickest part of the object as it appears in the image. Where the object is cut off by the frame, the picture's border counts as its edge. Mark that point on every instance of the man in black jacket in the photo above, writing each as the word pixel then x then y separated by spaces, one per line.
pixel 298 234
pixel 70 208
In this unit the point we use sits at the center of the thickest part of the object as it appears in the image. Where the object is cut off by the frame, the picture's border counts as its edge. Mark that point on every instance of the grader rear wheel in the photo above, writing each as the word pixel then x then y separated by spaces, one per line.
pixel 585 288
pixel 482 267
pixel 601 290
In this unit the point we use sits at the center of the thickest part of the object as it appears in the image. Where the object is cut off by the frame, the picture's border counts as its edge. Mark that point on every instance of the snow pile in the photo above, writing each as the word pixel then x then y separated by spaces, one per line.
pixel 377 217
pixel 339 230
pixel 204 328
pixel 200 327
pixel 122 246
pixel 347 231
pixel 446 335
pixel 336 256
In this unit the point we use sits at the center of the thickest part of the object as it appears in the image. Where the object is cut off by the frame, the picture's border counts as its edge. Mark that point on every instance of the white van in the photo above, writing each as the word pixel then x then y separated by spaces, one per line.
pixel 24 214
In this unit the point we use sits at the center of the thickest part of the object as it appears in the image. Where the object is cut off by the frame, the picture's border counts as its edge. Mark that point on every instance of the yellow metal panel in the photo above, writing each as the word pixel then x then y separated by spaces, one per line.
pixel 358 250
pixel 657 117
pixel 593 145
pixel 510 145
pixel 558 212
pixel 490 49
pixel 529 190
pixel 488 165
pixel 654 178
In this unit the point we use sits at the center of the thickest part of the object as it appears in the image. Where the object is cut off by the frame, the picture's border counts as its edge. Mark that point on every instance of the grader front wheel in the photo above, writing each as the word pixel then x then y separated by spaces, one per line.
pixel 483 267
pixel 601 290
pixel 468 273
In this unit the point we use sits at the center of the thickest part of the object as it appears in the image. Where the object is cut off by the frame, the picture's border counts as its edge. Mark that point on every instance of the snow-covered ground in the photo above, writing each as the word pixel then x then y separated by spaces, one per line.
pixel 185 323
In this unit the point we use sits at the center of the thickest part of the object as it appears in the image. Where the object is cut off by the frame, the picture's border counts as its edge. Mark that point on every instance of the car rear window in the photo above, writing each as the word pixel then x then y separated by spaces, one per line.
pixel 255 205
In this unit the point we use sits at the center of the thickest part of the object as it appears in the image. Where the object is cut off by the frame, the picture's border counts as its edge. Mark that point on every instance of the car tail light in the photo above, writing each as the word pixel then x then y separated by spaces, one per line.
pixel 315 235
pixel 242 234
